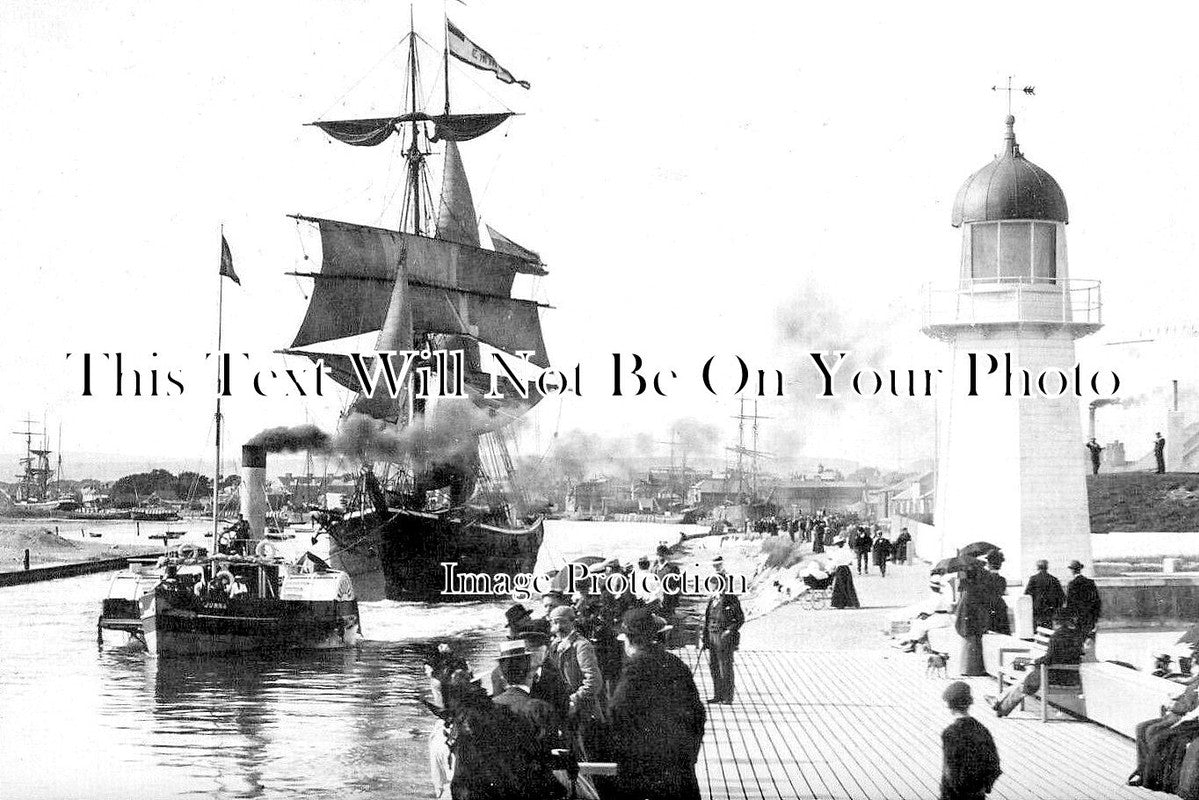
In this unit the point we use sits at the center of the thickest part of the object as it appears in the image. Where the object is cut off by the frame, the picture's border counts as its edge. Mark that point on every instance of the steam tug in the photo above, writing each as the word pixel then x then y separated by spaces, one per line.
pixel 243 597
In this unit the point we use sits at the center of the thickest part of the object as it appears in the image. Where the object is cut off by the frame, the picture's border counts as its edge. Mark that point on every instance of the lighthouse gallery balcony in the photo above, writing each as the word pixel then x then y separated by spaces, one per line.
pixel 1013 301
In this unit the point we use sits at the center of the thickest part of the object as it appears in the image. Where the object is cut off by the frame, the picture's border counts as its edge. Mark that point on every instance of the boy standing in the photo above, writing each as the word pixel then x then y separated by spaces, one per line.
pixel 971 764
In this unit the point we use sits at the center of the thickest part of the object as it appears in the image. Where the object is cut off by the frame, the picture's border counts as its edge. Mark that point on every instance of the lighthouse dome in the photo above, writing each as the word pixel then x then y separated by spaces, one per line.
pixel 1010 187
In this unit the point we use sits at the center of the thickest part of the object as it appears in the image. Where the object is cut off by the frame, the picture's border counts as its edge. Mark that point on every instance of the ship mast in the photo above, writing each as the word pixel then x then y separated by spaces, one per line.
pixel 216 469
pixel 415 157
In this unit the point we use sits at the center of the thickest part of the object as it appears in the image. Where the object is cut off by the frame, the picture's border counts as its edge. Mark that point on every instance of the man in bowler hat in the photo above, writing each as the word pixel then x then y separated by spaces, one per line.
pixel 721 635
pixel 656 716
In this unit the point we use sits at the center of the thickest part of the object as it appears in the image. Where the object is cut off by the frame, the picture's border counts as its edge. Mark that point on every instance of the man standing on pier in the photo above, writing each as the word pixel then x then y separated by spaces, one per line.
pixel 1046 593
pixel 721 635
pixel 1159 452
pixel 1082 601
pixel 657 719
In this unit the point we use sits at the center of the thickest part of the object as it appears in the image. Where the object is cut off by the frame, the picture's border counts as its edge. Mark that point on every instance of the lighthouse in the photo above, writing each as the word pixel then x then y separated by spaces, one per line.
pixel 1011 468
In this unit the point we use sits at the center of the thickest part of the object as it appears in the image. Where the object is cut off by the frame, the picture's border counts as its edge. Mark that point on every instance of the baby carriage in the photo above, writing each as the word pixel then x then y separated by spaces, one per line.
pixel 820 590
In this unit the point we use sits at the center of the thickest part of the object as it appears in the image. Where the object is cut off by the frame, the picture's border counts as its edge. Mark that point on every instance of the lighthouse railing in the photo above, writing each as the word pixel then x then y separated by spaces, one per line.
pixel 1013 300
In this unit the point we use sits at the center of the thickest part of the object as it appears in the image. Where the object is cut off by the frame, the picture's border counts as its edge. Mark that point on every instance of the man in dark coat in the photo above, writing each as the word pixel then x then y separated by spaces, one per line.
pixel 721 635
pixel 1065 647
pixel 1095 450
pixel 1082 600
pixel 1159 452
pixel 656 716
pixel 880 552
pixel 902 543
pixel 971 761
pixel 543 727
pixel 1046 593
pixel 862 547
pixel 546 681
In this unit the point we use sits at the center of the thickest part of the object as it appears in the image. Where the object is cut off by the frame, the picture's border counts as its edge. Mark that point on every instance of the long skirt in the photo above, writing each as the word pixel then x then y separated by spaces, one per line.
pixel 972 656
pixel 844 594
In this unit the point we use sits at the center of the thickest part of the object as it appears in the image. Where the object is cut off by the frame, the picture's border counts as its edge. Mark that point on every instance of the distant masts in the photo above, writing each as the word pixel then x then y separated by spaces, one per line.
pixel 752 452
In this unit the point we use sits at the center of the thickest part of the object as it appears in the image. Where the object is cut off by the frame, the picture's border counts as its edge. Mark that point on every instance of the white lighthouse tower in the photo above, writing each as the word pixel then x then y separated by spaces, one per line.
pixel 1011 469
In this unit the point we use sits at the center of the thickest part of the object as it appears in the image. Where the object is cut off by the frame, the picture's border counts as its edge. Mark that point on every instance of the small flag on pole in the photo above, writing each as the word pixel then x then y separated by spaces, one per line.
pixel 227 262
pixel 468 52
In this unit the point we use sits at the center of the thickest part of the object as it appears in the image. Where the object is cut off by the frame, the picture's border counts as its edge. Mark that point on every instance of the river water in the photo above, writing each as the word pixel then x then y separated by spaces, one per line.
pixel 77 720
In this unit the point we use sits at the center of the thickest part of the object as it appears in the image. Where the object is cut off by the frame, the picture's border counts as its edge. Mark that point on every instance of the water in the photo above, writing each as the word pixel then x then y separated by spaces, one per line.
pixel 81 721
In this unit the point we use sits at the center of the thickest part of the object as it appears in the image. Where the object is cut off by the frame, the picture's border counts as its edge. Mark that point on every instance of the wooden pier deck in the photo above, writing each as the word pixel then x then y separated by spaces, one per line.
pixel 866 725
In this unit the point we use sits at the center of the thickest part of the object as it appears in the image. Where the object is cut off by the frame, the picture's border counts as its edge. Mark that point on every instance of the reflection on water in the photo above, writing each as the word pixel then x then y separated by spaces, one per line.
pixel 82 721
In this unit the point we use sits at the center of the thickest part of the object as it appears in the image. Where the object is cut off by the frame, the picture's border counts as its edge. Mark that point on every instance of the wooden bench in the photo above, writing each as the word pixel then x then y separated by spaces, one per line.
pixel 1007 674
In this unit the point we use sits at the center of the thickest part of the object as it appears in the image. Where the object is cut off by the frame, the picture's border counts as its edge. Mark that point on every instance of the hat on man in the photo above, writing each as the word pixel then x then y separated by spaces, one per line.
pixel 1075 565
pixel 995 558
pixel 663 551
pixel 516 613
pixel 643 562
pixel 640 622
pixel 533 634
pixel 957 695
pixel 513 649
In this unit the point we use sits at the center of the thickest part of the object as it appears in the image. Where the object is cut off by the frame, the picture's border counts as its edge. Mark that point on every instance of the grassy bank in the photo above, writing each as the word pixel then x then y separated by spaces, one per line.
pixel 1143 501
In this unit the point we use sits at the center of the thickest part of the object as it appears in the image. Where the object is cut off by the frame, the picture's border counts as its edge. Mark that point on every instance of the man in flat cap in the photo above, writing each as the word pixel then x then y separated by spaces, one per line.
pixel 721 635
pixel 971 761
pixel 657 719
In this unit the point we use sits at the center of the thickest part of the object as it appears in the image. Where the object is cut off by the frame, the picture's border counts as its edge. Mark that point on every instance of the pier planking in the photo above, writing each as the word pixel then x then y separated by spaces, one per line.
pixel 866 725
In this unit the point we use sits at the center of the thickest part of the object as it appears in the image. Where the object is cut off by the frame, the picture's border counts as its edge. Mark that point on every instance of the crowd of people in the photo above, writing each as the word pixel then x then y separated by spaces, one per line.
pixel 589 680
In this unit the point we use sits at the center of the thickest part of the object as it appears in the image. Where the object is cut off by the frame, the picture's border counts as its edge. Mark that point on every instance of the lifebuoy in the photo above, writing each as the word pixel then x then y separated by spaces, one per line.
pixel 265 549
pixel 187 551
pixel 224 575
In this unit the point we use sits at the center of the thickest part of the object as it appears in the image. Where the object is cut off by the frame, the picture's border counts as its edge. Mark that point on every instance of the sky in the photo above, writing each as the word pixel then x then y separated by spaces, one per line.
pixel 702 179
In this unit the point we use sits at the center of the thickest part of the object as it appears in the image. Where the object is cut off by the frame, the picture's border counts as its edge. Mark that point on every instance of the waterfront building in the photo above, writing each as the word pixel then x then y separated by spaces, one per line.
pixel 1011 467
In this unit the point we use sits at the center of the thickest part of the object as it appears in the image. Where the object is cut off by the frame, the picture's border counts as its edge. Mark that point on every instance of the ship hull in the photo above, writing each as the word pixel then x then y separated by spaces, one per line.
pixel 172 625
pixel 402 558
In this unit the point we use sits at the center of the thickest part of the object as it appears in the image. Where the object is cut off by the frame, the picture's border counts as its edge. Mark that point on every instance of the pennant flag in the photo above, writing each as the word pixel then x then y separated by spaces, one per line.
pixel 227 262
pixel 468 52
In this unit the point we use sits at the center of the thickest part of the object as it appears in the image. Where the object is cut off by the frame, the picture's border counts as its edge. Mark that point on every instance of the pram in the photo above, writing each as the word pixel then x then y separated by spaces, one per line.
pixel 820 591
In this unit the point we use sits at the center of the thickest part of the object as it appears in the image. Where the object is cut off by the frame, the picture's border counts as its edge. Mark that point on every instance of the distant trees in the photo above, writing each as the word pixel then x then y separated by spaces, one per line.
pixel 133 489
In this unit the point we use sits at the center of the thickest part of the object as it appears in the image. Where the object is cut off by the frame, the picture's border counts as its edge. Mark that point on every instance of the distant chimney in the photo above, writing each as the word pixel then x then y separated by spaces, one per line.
pixel 253 488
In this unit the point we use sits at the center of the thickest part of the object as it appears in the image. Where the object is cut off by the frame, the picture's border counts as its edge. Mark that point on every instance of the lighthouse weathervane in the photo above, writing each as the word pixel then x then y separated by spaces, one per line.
pixel 1028 90
pixel 1011 468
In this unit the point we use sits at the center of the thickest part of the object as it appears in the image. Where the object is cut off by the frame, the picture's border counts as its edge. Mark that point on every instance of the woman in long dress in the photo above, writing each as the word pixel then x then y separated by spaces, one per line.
pixel 973 620
pixel 844 595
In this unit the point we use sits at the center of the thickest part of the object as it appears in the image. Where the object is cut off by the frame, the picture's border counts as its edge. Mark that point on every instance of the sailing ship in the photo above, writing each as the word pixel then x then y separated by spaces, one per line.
pixel 428 286
pixel 34 496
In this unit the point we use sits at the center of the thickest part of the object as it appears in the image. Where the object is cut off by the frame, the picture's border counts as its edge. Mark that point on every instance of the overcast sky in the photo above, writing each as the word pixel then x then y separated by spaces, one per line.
pixel 700 179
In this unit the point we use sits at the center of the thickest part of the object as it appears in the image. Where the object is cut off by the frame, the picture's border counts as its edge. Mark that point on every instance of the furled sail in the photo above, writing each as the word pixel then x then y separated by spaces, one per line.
pixel 448 127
